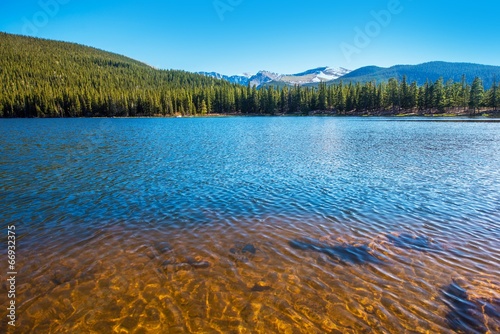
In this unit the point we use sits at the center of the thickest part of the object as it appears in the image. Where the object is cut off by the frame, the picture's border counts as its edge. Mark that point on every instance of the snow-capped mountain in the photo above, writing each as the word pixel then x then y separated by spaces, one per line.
pixel 315 75
pixel 263 77
pixel 237 79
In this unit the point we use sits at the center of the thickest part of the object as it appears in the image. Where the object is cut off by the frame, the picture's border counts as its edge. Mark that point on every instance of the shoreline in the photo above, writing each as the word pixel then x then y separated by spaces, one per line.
pixel 381 114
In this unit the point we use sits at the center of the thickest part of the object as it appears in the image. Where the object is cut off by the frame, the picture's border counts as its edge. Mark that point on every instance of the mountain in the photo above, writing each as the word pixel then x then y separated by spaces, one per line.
pixel 316 75
pixel 236 79
pixel 266 78
pixel 45 78
pixel 431 71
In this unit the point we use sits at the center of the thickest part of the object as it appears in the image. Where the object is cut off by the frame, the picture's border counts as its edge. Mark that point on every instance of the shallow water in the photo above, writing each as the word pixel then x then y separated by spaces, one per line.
pixel 253 225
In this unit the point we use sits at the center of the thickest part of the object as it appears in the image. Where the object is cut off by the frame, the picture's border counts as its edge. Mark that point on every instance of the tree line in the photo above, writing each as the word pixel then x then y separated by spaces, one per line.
pixel 43 78
pixel 97 100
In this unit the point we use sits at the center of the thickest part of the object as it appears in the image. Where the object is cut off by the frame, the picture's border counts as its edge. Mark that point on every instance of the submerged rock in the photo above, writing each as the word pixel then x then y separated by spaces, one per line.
pixel 242 252
pixel 248 248
pixel 185 265
pixel 474 305
pixel 408 241
pixel 305 244
pixel 242 249
pixel 200 264
pixel 342 252
pixel 175 267
pixel 162 247
pixel 62 275
pixel 260 287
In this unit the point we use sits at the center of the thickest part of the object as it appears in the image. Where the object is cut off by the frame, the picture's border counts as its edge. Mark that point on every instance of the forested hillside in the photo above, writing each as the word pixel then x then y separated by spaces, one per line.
pixel 41 78
pixel 431 71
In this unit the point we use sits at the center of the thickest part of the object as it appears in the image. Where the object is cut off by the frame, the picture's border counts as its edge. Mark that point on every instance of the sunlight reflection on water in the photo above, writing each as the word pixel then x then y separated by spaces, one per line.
pixel 300 225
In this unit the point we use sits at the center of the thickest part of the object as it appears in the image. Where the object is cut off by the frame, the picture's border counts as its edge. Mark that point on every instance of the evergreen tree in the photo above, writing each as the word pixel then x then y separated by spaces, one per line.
pixel 393 98
pixel 465 93
pixel 405 94
pixel 493 95
pixel 203 108
pixel 340 98
pixel 476 95
pixel 413 99
pixel 85 82
pixel 322 103
pixel 350 103
pixel 438 95
pixel 379 99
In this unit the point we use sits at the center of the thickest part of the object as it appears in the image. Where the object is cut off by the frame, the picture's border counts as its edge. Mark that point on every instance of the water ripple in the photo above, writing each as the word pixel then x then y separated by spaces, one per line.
pixel 258 225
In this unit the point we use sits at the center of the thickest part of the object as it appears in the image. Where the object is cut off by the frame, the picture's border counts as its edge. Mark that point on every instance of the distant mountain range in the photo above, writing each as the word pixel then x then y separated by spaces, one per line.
pixel 431 71
pixel 47 78
pixel 264 78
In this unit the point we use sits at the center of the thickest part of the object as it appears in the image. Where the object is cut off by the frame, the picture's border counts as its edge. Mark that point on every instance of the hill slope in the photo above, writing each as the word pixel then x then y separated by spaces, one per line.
pixel 431 71
pixel 42 78
pixel 49 78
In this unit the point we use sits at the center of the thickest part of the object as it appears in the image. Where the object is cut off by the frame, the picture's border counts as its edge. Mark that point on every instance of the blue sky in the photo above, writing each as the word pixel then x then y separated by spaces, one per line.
pixel 236 36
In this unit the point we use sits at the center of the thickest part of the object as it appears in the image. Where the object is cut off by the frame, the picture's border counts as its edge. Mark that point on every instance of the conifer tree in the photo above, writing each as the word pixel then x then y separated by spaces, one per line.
pixel 465 93
pixel 322 97
pixel 340 98
pixel 476 95
pixel 438 95
pixel 405 94
pixel 493 95
pixel 393 94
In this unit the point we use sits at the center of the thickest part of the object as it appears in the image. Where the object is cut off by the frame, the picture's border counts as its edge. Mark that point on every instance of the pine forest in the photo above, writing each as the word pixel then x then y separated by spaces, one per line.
pixel 42 78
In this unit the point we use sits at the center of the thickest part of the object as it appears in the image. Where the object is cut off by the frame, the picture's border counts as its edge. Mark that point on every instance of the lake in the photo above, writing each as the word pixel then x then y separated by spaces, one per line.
pixel 252 225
